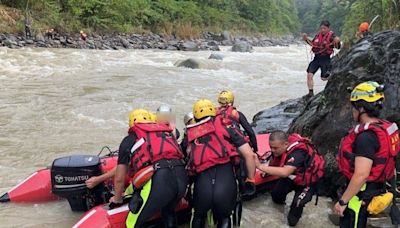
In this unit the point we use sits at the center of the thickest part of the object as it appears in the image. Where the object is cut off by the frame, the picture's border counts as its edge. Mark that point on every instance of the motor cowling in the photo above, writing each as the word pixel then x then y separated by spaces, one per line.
pixel 68 176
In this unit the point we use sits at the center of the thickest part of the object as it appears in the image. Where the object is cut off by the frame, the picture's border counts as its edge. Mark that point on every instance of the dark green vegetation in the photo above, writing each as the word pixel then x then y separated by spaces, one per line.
pixel 346 15
pixel 188 18
pixel 182 18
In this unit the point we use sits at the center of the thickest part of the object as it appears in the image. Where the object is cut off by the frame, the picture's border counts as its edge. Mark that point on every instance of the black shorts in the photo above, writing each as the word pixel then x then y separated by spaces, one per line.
pixel 320 61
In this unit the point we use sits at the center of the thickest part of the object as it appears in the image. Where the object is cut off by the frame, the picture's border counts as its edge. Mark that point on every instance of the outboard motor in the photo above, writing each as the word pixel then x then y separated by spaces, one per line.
pixel 68 176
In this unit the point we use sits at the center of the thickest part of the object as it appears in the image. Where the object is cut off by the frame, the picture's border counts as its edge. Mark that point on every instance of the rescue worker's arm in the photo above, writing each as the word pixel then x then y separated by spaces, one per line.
pixel 362 170
pixel 249 131
pixel 248 155
pixel 119 183
pixel 306 39
pixel 275 171
pixel 245 150
pixel 124 157
pixel 94 181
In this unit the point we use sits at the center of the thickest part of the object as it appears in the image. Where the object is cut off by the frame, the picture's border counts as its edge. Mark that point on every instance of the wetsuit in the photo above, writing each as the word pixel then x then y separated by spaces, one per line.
pixel 249 131
pixel 215 188
pixel 365 145
pixel 162 193
pixel 284 186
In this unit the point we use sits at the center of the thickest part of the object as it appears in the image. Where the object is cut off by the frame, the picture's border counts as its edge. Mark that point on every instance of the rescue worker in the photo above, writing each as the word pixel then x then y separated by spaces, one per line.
pixel 165 115
pixel 322 47
pixel 366 156
pixel 302 169
pixel 157 169
pixel 363 30
pixel 232 117
pixel 188 119
pixel 212 149
pixel 95 180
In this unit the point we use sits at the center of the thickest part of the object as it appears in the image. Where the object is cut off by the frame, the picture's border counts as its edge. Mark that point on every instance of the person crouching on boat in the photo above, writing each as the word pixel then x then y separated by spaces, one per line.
pixel 152 156
pixel 300 173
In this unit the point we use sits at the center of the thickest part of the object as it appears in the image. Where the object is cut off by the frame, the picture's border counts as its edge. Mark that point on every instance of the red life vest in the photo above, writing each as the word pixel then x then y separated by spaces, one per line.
pixel 384 163
pixel 229 115
pixel 314 165
pixel 159 144
pixel 277 161
pixel 321 44
pixel 207 145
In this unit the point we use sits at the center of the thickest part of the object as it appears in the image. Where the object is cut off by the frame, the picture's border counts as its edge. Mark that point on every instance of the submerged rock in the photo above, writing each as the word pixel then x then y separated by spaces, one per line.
pixel 199 64
pixel 242 46
pixel 216 56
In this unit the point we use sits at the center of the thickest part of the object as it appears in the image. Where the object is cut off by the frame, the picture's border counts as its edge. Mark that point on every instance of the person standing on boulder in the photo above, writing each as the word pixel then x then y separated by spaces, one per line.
pixel 302 169
pixel 322 47
pixel 367 157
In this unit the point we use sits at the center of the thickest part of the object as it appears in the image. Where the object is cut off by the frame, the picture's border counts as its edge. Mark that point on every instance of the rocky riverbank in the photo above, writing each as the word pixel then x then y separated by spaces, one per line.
pixel 209 41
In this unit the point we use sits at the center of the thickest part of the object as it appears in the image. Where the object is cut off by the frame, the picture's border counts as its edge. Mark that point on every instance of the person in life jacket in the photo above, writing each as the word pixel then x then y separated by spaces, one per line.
pixel 164 114
pixel 302 169
pixel 322 47
pixel 363 31
pixel 95 180
pixel 366 155
pixel 188 119
pixel 211 150
pixel 152 157
pixel 233 117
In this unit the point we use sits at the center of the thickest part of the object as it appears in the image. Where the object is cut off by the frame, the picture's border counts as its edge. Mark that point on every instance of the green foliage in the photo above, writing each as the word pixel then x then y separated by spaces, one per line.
pixel 275 17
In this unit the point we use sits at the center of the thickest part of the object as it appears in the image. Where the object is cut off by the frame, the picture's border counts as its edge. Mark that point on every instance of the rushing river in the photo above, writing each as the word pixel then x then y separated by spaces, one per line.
pixel 56 102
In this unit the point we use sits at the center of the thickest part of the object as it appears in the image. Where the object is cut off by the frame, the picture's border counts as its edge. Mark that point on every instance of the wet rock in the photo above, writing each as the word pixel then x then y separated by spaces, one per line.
pixel 10 43
pixel 216 56
pixel 171 48
pixel 242 46
pixel 327 117
pixel 227 43
pixel 39 37
pixel 188 46
pixel 29 42
pixel 278 117
pixel 125 43
pixel 194 63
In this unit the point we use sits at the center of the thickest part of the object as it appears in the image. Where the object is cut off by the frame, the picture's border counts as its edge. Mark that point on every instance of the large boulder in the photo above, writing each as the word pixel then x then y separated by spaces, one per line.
pixel 242 46
pixel 189 46
pixel 278 117
pixel 195 63
pixel 327 116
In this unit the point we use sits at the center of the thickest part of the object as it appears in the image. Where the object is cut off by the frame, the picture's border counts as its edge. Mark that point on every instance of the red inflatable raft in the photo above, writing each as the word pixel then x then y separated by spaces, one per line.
pixel 104 217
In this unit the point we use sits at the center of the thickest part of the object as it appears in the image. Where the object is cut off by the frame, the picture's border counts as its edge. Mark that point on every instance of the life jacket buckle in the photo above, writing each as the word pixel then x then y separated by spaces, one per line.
pixel 157 166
